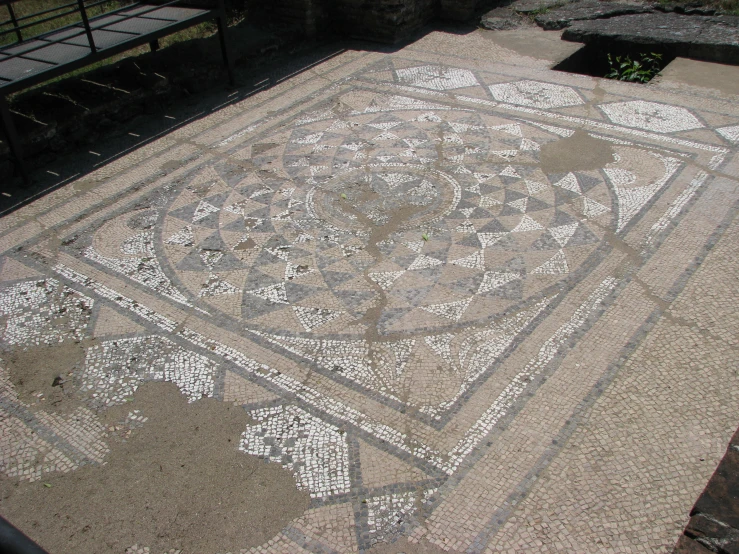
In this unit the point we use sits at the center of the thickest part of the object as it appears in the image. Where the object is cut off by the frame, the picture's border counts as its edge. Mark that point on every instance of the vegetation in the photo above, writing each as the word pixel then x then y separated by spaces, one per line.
pixel 546 9
pixel 642 70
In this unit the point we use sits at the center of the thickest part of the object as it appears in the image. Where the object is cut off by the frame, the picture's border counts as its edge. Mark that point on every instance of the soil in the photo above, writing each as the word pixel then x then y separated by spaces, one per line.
pixel 42 375
pixel 579 152
pixel 719 77
pixel 177 482
pixel 534 42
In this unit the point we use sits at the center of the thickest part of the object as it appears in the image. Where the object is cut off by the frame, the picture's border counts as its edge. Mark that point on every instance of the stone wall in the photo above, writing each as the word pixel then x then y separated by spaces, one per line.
pixel 388 21
pixel 307 15
pixel 458 10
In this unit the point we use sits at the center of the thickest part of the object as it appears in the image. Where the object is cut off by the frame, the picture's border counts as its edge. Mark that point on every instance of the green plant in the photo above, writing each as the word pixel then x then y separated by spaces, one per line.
pixel 541 10
pixel 623 68
pixel 730 7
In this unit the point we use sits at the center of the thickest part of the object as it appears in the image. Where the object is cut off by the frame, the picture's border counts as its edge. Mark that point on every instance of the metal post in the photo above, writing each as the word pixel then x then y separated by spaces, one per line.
pixel 86 23
pixel 222 26
pixel 13 140
pixel 18 33
pixel 154 45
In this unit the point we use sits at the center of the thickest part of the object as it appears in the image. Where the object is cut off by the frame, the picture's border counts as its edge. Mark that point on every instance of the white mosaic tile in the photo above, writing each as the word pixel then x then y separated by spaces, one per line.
pixel 555 265
pixel 311 318
pixel 43 313
pixel 437 77
pixel 114 369
pixel 390 516
pixel 313 450
pixel 631 199
pixel 476 260
pixel 386 278
pixel 143 267
pixel 495 279
pixel 729 133
pixel 449 310
pixel 660 118
pixel 536 94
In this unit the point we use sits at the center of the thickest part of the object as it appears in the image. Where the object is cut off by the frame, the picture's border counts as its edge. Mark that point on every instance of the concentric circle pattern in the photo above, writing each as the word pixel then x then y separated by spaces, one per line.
pixel 406 222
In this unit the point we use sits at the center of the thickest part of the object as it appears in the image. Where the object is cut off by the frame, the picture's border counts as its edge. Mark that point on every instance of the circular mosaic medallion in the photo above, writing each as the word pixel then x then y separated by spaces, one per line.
pixel 373 196
pixel 394 223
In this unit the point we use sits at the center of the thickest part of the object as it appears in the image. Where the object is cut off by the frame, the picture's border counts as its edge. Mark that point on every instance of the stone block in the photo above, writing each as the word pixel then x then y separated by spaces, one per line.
pixel 389 21
pixel 458 10
pixel 707 38
pixel 560 18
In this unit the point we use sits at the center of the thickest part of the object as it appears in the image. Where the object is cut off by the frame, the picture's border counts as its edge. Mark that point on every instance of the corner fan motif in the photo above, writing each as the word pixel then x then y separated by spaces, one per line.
pixel 395 243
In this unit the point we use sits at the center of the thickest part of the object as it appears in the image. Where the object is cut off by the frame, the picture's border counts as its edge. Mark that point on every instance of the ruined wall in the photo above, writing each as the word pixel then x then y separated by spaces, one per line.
pixel 458 10
pixel 299 13
pixel 388 21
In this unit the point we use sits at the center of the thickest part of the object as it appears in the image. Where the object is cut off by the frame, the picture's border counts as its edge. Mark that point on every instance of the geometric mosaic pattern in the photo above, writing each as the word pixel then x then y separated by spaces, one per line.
pixel 730 133
pixel 436 77
pixel 413 309
pixel 43 312
pixel 114 369
pixel 651 116
pixel 536 94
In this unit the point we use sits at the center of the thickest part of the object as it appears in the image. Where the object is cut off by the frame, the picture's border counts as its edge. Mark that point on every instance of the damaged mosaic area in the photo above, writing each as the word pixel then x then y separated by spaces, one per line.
pixel 383 278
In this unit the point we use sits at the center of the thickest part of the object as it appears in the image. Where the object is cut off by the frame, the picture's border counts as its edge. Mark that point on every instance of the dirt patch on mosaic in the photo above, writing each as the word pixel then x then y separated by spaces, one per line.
pixel 579 152
pixel 397 218
pixel 42 375
pixel 179 481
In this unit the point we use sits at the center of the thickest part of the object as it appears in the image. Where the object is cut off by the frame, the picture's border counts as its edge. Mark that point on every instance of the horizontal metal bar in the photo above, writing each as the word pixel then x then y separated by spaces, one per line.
pixel 64 40
pixel 153 8
pixel 45 11
pixel 39 22
pixel 46 44
pixel 118 11
pixel 150 18
pixel 96 4
pixel 48 62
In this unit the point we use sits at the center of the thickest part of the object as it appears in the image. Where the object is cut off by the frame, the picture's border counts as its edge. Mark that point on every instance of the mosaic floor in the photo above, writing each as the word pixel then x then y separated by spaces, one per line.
pixel 465 300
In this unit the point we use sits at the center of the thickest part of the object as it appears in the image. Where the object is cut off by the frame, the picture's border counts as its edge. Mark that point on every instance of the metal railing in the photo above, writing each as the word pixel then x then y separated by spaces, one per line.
pixel 190 14
pixel 88 29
